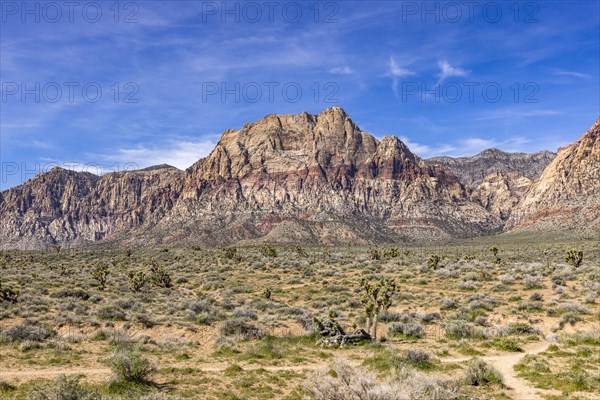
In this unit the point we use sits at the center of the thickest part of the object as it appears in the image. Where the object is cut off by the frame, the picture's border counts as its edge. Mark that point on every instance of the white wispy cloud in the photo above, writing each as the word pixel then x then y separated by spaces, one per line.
pixel 467 147
pixel 345 70
pixel 396 72
pixel 512 113
pixel 562 72
pixel 178 153
pixel 425 150
pixel 448 71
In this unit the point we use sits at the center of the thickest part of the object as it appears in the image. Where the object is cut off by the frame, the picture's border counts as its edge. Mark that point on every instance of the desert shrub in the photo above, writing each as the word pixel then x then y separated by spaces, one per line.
pixel 506 279
pixel 27 331
pixel 131 366
pixel 521 328
pixel 300 251
pixel 345 382
pixel 481 301
pixel 244 312
pixel 111 312
pixel 71 292
pixel 389 316
pixel 536 297
pixel 467 285
pixel 448 303
pixel 574 258
pixel 479 373
pixel 428 317
pixel 144 319
pixel 569 318
pixel 573 307
pixel 62 388
pixel 408 329
pixel 457 329
pixel 242 329
pixel 159 396
pixel 417 357
pixel 532 282
pixel 507 344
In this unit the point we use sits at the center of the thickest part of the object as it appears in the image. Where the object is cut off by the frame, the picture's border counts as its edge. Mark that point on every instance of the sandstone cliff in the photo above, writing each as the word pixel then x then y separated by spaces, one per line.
pixel 567 194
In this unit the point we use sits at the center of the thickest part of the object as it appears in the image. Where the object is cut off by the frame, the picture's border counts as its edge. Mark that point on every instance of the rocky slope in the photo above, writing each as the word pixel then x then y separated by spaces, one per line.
pixel 472 171
pixel 567 194
pixel 76 208
pixel 500 192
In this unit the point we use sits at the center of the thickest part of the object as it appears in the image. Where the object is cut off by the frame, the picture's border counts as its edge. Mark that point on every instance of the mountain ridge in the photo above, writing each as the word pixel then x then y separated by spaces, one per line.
pixel 283 178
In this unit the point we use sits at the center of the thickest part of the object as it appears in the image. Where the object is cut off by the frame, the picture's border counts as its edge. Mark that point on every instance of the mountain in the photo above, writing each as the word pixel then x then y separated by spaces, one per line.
pixel 472 171
pixel 284 178
pixel 302 178
pixel 567 194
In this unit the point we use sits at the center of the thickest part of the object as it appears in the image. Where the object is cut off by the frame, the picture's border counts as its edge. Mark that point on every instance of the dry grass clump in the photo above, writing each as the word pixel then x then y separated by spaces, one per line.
pixel 345 382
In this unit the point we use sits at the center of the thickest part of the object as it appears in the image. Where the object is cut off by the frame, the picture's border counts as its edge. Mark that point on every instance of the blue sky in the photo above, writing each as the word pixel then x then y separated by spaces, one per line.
pixel 446 78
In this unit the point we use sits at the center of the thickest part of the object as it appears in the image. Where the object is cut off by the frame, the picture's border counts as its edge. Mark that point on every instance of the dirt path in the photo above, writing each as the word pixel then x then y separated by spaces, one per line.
pixel 504 363
pixel 103 373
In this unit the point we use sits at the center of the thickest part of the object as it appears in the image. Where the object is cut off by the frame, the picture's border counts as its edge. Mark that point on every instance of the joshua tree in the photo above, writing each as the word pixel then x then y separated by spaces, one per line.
pixel 8 294
pixel 160 277
pixel 300 251
pixel 230 252
pixel 137 280
pixel 376 297
pixel 392 252
pixel 575 258
pixel 100 273
pixel 267 293
pixel 434 261
pixel 268 251
pixel 494 251
pixel 374 253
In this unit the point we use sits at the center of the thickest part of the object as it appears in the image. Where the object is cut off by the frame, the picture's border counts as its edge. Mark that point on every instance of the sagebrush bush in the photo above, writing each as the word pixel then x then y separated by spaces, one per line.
pixel 479 373
pixel 409 329
pixel 457 329
pixel 417 356
pixel 131 366
pixel 27 331
pixel 242 329
pixel 345 382
pixel 62 388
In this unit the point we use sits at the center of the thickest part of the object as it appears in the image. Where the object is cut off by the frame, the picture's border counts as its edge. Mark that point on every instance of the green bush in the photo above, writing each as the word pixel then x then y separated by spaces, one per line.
pixel 479 373
pixel 131 366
